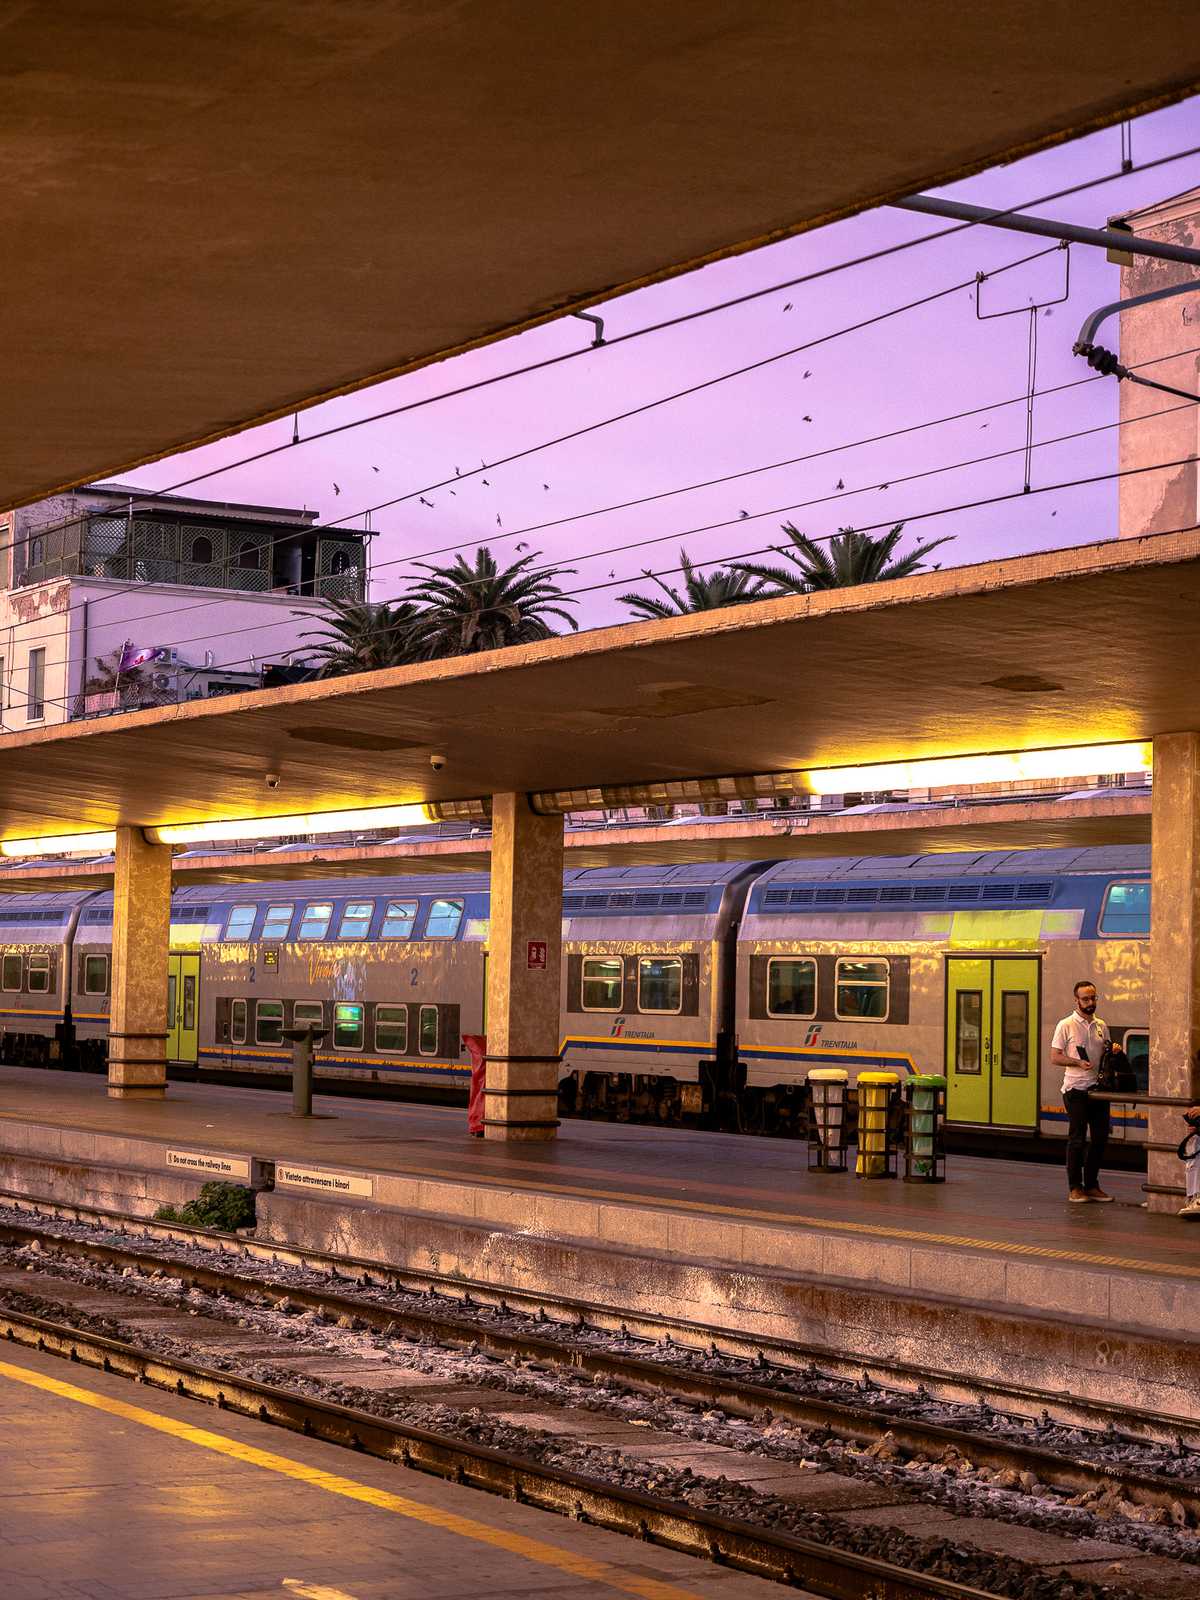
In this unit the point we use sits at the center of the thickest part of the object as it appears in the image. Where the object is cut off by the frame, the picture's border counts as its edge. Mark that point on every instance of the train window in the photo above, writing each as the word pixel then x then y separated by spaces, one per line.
pixel 660 984
pixel 968 1032
pixel 237 1022
pixel 356 919
pixel 791 987
pixel 241 922
pixel 862 990
pixel 268 1021
pixel 13 970
pixel 314 921
pixel 603 980
pixel 37 973
pixel 1137 1048
pixel 391 1029
pixel 1126 910
pixel 305 1011
pixel 398 919
pixel 1014 1034
pixel 347 1027
pixel 278 922
pixel 95 974
pixel 443 919
pixel 427 1030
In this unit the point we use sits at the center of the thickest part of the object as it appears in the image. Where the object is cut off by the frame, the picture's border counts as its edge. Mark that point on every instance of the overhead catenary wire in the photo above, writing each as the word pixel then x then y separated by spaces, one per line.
pixel 610 550
pixel 869 527
pixel 679 320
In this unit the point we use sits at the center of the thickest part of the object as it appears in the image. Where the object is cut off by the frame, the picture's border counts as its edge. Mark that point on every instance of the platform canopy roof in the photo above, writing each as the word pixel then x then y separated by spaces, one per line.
pixel 216 214
pixel 1046 823
pixel 999 656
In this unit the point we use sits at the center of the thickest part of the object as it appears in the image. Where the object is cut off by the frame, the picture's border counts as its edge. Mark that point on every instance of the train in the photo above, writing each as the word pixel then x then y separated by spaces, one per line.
pixel 697 994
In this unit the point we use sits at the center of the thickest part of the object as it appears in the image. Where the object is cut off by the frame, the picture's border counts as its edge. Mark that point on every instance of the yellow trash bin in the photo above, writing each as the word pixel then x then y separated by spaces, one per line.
pixel 875 1091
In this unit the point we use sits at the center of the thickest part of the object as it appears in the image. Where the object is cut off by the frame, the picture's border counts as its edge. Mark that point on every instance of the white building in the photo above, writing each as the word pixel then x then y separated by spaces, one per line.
pixel 215 590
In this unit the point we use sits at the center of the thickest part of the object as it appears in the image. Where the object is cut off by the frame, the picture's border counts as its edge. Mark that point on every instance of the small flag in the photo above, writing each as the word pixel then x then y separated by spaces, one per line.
pixel 133 656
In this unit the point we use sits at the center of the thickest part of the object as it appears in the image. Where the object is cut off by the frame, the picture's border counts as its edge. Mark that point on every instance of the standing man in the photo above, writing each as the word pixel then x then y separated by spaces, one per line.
pixel 1078 1044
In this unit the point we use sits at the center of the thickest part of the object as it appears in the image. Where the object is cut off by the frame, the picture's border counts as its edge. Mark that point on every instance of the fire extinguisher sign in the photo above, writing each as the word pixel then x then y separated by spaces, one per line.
pixel 537 955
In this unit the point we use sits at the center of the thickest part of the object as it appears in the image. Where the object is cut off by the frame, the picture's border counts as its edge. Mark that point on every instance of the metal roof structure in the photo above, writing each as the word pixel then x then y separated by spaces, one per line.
pixel 227 213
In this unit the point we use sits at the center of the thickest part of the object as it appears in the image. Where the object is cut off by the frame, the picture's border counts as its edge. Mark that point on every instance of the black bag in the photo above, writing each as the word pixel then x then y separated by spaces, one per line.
pixel 1106 1071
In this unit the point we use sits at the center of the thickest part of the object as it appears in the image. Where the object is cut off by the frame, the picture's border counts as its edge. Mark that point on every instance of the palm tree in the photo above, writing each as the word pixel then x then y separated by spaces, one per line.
pixel 848 559
pixel 723 586
pixel 361 636
pixel 469 607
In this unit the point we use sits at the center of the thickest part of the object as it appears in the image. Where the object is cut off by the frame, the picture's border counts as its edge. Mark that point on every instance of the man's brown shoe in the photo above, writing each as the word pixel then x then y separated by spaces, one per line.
pixel 1079 1197
pixel 1099 1195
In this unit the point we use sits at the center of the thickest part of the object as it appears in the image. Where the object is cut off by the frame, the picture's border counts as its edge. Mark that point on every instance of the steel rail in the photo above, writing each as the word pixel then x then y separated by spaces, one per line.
pixel 820 1569
pixel 1138 1424
pixel 737 1396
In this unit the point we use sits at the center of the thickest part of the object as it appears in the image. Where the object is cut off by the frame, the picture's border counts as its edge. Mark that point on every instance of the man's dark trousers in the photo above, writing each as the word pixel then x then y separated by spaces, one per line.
pixel 1087 1138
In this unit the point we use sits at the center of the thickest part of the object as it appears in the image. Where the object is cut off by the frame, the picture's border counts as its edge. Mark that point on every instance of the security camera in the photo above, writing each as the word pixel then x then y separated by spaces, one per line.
pixel 437 762
pixel 272 780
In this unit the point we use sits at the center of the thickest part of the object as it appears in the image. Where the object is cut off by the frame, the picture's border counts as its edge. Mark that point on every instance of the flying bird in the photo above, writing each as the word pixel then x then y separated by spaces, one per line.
pixel 788 307
pixel 454 492
pixel 612 574
pixel 337 489
pixel 743 513
pixel 545 486
pixel 458 472
pixel 374 469
pixel 840 484
pixel 499 524
pixel 808 374
pixel 808 419
pixel 522 546
pixel 885 486
pixel 484 480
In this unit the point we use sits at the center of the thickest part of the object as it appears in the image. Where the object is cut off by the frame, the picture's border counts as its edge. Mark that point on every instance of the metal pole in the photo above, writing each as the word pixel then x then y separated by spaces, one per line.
pixel 302 1060
pixel 1103 238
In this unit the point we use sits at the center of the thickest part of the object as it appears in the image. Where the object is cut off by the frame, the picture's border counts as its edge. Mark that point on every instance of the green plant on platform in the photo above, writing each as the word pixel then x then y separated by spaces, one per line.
pixel 219 1205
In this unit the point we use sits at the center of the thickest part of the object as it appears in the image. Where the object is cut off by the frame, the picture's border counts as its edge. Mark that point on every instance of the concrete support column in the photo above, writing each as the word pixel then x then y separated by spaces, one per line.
pixel 1174 953
pixel 524 961
pixel 137 1035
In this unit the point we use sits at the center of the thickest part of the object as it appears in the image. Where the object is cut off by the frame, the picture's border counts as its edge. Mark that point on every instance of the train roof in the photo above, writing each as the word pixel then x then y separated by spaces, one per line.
pixel 1102 859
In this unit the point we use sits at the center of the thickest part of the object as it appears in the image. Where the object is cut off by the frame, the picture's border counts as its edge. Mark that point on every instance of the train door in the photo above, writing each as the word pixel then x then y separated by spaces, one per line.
pixel 183 1006
pixel 992 1010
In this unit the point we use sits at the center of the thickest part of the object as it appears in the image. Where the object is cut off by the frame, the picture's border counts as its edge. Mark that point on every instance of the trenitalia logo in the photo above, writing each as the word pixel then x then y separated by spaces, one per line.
pixel 814 1039
pixel 618 1027
pixel 620 1031
pixel 813 1036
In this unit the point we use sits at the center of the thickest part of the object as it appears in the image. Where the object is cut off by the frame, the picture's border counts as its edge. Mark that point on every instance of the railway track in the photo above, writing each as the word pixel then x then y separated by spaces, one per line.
pixel 395 1306
pixel 816 1568
pixel 753 1398
pixel 563 1315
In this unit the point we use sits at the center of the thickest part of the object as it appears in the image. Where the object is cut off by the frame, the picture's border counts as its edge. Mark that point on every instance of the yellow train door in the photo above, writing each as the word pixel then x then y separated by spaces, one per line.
pixel 992 1006
pixel 183 1007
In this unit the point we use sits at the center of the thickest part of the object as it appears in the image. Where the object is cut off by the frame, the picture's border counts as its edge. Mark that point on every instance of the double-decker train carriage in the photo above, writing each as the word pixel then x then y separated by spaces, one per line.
pixel 689 993
pixel 959 964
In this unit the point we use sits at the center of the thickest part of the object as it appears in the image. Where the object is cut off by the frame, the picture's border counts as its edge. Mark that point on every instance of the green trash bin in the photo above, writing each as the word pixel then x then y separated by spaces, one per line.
pixel 924 1147
pixel 827 1119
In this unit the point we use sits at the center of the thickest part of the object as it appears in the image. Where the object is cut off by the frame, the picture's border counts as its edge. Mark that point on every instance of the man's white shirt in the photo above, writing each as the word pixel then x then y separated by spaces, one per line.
pixel 1071 1033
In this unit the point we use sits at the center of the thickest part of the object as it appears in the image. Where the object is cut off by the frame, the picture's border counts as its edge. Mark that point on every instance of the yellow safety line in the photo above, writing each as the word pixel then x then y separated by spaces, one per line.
pixel 517 1544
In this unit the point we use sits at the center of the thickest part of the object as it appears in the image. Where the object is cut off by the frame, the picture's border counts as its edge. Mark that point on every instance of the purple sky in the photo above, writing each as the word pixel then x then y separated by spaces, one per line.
pixel 918 366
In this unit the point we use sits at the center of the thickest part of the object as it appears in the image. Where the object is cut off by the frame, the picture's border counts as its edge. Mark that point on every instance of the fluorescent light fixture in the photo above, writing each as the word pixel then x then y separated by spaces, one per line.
pixel 938 772
pixel 63 844
pixel 369 817
pixel 1008 766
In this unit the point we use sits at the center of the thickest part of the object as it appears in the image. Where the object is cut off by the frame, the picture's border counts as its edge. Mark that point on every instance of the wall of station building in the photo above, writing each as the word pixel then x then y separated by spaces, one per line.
pixel 1159 502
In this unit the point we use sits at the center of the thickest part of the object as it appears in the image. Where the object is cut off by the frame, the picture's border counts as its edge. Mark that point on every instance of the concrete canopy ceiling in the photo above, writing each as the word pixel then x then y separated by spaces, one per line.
pixel 218 213
pixel 942 663
pixel 1045 824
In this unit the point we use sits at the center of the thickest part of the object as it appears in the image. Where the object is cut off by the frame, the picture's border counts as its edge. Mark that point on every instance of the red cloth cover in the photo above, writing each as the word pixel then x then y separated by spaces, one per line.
pixel 476 1044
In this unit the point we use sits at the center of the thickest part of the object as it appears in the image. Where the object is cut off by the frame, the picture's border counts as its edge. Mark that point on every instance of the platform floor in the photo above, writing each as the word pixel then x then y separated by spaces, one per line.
pixel 127 1494
pixel 1015 1209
